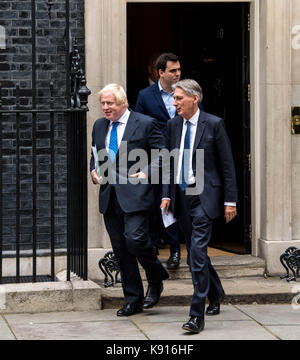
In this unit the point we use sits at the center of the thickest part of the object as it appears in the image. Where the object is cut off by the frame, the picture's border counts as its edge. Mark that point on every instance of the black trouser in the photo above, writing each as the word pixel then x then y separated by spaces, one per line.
pixel 197 224
pixel 130 241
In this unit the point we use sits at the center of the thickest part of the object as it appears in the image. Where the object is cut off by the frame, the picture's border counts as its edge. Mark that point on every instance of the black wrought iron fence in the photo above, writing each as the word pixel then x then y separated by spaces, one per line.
pixel 43 185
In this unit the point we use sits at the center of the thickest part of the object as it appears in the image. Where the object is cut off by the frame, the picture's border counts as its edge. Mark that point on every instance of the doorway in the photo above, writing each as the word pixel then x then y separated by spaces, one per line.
pixel 212 42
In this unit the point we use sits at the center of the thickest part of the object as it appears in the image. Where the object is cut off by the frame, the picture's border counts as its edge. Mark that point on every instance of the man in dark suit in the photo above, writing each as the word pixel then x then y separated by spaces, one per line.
pixel 157 101
pixel 126 204
pixel 197 197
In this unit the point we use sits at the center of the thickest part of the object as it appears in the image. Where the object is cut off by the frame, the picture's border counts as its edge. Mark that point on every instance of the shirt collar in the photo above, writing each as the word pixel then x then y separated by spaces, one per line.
pixel 164 91
pixel 124 118
pixel 194 119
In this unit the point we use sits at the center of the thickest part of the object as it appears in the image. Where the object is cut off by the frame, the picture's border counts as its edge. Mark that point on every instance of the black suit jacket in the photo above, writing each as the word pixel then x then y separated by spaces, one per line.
pixel 142 133
pixel 219 172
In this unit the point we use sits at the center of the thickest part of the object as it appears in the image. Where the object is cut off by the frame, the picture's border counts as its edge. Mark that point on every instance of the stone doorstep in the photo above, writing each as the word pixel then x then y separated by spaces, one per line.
pixel 226 266
pixel 79 295
pixel 76 295
pixel 246 290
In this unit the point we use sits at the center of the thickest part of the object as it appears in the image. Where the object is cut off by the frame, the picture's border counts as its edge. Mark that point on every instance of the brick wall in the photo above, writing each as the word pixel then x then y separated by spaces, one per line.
pixel 16 67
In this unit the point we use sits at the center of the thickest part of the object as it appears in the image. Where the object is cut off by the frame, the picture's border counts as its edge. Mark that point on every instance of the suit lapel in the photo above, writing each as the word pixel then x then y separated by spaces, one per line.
pixel 178 131
pixel 158 97
pixel 131 125
pixel 199 132
pixel 102 134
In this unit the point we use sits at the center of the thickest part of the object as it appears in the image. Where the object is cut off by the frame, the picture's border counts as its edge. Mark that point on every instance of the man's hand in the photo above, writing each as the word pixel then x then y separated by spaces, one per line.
pixel 165 203
pixel 139 175
pixel 96 179
pixel 230 213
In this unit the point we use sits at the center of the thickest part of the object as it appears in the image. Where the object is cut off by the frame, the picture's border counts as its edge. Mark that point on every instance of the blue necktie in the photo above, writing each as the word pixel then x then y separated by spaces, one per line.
pixel 113 142
pixel 185 158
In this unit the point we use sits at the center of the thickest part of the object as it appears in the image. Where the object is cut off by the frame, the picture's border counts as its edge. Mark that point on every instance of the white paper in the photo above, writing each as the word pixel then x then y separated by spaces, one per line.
pixel 169 219
pixel 95 154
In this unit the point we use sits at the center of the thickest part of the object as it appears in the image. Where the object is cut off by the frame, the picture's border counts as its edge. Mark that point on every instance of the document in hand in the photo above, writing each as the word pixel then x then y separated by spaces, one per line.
pixel 96 160
pixel 169 219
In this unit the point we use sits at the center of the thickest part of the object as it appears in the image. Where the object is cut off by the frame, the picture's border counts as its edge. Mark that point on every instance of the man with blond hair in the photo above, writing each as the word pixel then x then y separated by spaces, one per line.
pixel 126 204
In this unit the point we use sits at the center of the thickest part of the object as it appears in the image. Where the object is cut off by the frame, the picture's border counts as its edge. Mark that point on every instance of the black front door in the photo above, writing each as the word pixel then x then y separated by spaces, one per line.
pixel 212 41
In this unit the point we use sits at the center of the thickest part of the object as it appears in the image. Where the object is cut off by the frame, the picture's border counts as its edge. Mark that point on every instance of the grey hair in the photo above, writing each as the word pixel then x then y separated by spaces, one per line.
pixel 190 87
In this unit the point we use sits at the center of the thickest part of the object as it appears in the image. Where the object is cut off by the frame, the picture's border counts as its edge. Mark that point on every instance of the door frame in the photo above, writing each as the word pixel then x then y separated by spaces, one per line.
pixel 254 109
pixel 106 64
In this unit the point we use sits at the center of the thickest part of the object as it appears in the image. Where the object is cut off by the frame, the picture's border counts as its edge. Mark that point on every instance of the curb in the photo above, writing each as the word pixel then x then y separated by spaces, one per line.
pixel 185 300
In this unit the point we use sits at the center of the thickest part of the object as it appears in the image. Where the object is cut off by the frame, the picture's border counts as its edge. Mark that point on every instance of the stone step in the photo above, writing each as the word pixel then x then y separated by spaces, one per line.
pixel 62 295
pixel 227 267
pixel 242 290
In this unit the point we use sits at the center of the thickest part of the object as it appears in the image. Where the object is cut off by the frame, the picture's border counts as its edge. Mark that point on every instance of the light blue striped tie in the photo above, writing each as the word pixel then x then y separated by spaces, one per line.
pixel 186 159
pixel 113 142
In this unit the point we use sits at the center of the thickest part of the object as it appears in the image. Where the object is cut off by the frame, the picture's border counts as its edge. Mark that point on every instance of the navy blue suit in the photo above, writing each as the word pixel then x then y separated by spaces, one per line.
pixel 150 102
pixel 126 206
pixel 195 213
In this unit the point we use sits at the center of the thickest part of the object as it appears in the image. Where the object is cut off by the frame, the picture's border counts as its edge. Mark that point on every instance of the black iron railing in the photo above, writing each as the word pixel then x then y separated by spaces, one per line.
pixel 290 260
pixel 22 156
pixel 77 194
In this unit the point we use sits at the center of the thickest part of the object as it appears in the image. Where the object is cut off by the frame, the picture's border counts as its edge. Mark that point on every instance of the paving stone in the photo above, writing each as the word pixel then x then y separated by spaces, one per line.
pixel 63 317
pixel 222 330
pixel 286 332
pixel 180 314
pixel 97 330
pixel 235 322
pixel 5 333
pixel 272 314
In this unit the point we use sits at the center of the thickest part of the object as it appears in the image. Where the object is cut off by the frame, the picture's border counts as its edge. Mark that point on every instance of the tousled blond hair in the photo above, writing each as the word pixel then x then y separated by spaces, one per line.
pixel 117 91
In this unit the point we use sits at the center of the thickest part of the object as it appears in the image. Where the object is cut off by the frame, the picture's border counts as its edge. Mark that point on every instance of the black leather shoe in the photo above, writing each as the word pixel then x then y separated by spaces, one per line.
pixel 214 306
pixel 173 261
pixel 213 309
pixel 153 295
pixel 195 324
pixel 130 309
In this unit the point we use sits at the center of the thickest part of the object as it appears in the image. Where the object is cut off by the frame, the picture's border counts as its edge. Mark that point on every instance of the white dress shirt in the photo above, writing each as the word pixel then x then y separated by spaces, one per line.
pixel 120 129
pixel 193 128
